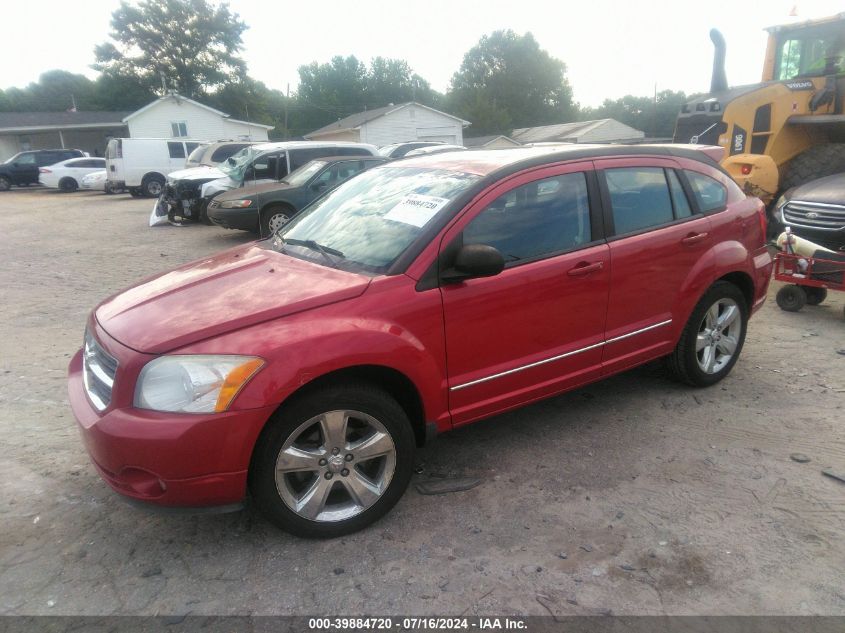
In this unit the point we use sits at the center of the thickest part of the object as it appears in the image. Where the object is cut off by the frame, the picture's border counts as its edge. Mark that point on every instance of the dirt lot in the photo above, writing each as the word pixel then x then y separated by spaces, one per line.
pixel 632 496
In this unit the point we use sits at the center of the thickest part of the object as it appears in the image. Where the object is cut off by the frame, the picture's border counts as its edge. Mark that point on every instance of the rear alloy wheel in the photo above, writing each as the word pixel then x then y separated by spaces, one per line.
pixel 815 296
pixel 5 183
pixel 791 298
pixel 333 462
pixel 68 185
pixel 713 337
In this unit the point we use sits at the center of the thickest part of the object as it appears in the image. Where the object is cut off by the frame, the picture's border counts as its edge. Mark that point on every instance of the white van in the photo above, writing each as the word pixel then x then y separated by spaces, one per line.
pixel 141 165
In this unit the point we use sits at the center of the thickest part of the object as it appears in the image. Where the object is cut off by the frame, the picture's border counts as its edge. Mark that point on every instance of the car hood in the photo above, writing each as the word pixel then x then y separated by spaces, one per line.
pixel 197 173
pixel 254 190
pixel 830 189
pixel 209 297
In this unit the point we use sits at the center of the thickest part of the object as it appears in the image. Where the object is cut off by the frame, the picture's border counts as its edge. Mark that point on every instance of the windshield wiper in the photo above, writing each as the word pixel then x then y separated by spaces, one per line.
pixel 325 251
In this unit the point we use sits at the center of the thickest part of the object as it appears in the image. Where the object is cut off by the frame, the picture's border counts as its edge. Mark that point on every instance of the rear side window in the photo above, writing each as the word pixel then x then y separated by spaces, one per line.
pixel 639 197
pixel 177 150
pixel 298 157
pixel 536 219
pixel 710 194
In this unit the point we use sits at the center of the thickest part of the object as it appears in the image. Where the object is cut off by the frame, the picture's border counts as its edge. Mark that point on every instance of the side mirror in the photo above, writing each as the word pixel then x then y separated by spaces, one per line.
pixel 474 260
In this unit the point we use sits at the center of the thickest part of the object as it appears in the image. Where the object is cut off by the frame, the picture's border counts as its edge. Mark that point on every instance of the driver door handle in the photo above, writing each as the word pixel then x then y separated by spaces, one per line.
pixel 693 239
pixel 583 268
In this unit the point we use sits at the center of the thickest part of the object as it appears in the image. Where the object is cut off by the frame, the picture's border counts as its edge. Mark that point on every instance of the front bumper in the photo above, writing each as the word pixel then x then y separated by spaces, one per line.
pixel 243 219
pixel 168 459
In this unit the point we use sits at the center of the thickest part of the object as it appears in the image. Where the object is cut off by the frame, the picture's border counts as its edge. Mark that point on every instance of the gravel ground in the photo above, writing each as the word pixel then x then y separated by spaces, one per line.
pixel 630 496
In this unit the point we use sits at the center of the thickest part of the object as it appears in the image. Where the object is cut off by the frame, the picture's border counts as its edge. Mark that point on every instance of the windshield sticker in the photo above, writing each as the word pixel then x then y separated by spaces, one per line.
pixel 416 209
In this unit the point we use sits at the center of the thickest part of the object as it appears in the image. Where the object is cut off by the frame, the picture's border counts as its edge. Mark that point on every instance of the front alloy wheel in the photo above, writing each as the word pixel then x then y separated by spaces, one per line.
pixel 333 461
pixel 335 465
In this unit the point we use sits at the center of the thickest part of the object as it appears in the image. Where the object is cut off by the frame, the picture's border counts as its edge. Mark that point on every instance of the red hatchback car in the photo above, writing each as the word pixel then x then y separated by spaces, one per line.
pixel 415 298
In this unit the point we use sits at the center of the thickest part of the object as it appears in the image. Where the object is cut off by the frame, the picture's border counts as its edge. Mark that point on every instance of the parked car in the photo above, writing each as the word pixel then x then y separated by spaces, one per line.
pixel 211 154
pixel 67 174
pixel 95 181
pixel 22 168
pixel 189 191
pixel 267 208
pixel 140 165
pixel 417 297
pixel 399 150
pixel 815 211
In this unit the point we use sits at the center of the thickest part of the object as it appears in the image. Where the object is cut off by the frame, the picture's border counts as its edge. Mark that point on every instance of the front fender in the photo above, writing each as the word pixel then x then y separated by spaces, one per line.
pixel 300 348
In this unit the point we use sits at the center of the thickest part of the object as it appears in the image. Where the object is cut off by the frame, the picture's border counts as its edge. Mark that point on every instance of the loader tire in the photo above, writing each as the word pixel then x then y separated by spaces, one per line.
pixel 819 161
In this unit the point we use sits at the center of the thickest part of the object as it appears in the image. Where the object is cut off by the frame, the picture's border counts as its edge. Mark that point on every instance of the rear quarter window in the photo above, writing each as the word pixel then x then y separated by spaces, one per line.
pixel 709 193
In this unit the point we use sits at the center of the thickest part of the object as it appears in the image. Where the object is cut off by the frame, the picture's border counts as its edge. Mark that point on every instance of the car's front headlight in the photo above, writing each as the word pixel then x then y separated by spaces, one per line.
pixel 235 204
pixel 777 211
pixel 194 384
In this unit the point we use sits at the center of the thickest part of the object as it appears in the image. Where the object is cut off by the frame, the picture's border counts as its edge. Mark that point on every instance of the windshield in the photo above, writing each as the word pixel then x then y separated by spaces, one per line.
pixel 811 52
pixel 302 175
pixel 235 166
pixel 368 221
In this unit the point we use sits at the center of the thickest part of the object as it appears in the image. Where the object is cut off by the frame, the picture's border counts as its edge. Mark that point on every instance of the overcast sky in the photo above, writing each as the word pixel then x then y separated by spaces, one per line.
pixel 611 47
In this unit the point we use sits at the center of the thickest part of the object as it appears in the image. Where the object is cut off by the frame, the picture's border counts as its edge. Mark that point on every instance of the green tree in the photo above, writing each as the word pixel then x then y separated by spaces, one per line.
pixel 191 43
pixel 508 78
pixel 345 85
pixel 653 115
pixel 393 81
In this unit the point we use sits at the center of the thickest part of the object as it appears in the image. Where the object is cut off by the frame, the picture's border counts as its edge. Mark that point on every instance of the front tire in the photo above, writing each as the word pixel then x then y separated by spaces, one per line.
pixel 5 183
pixel 273 218
pixel 333 461
pixel 712 338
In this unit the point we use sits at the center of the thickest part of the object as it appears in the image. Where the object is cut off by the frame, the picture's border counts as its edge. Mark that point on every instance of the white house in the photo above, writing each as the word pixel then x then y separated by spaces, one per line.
pixel 394 124
pixel 175 116
pixel 493 141
pixel 599 131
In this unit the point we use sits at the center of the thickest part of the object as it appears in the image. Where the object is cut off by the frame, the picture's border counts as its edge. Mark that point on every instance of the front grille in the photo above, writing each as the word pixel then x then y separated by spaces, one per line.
pixel 814 215
pixel 98 371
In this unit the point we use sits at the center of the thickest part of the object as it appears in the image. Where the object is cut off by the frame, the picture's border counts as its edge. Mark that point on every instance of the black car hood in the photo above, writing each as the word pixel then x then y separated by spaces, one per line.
pixel 830 189
pixel 254 190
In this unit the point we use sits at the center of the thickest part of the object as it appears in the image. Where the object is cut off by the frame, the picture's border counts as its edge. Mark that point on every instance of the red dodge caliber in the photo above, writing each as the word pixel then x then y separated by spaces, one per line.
pixel 417 297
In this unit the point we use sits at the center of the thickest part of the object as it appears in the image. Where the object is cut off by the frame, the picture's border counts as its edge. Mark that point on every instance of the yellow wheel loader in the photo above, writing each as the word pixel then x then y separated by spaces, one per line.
pixel 788 129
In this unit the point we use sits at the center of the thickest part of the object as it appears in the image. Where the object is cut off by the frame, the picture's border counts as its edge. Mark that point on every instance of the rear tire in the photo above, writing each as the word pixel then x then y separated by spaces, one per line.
pixel 712 339
pixel 791 298
pixel 815 296
pixel 306 487
pixel 68 185
pixel 152 186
